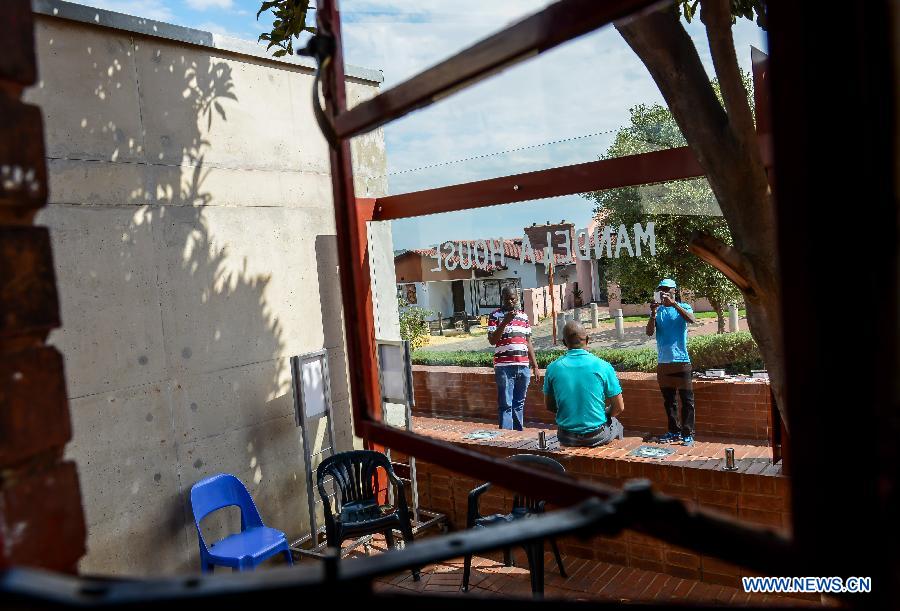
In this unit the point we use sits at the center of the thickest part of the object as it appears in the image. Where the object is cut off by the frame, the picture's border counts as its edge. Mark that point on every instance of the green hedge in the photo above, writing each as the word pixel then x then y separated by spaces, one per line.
pixel 734 352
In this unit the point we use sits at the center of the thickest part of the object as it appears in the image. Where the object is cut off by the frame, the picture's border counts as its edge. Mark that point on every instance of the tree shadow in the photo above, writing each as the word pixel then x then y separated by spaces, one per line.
pixel 176 362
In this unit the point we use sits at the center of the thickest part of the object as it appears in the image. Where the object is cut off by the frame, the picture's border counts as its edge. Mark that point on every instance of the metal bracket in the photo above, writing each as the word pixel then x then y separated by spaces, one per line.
pixel 321 48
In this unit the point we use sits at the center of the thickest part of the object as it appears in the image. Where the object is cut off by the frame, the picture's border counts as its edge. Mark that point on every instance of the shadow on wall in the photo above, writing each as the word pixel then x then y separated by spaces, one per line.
pixel 173 349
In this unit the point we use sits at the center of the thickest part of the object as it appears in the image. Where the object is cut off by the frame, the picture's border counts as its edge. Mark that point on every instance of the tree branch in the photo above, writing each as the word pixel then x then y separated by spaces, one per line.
pixel 671 58
pixel 724 258
pixel 733 166
pixel 716 16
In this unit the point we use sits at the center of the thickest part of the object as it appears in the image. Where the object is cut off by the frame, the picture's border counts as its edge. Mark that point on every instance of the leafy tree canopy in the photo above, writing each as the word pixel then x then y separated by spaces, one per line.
pixel 290 22
pixel 748 9
pixel 677 208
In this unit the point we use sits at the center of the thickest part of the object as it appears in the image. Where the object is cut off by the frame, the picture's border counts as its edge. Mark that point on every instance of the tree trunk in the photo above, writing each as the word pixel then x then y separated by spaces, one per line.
pixel 720 315
pixel 724 140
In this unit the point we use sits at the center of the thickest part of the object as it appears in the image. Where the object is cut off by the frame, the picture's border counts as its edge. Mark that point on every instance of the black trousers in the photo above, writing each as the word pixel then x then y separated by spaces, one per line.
pixel 675 379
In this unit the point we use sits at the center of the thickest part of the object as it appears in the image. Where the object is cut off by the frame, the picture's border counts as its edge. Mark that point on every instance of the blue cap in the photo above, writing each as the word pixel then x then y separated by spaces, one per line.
pixel 667 283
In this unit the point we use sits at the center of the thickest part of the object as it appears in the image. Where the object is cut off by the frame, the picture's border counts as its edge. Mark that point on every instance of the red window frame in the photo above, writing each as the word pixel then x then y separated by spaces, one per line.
pixel 558 23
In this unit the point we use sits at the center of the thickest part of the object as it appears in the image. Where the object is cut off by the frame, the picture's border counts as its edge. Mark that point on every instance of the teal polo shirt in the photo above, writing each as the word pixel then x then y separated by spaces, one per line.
pixel 581 382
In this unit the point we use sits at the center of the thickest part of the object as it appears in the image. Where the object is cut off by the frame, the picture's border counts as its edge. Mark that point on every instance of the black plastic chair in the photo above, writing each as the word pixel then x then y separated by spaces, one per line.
pixel 355 474
pixel 522 507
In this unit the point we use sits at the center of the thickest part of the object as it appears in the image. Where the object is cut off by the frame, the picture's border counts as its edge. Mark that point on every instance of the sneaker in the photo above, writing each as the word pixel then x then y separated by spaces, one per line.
pixel 670 438
pixel 688 440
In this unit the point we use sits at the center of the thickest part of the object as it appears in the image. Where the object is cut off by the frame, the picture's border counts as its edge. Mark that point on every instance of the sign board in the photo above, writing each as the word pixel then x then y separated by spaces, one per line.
pixel 394 373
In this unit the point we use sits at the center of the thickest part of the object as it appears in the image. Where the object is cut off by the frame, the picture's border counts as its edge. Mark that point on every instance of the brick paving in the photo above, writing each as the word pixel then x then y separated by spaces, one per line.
pixel 756 494
pixel 602 337
pixel 587 580
pixel 705 454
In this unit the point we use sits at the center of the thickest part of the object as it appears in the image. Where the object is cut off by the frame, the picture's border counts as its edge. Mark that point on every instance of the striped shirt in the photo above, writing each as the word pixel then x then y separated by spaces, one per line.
pixel 512 348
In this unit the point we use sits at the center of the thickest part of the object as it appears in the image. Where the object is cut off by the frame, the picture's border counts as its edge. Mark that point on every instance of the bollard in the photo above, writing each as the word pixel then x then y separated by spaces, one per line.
pixel 577 314
pixel 560 323
pixel 729 460
pixel 595 316
pixel 733 322
pixel 620 324
pixel 542 440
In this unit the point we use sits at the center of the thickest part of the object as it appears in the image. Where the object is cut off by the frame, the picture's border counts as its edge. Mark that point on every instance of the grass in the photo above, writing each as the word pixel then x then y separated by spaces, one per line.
pixel 440 340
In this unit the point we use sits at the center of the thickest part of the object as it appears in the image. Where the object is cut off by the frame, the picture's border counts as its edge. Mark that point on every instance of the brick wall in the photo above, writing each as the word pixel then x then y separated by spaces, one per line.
pixel 758 495
pixel 735 410
pixel 41 518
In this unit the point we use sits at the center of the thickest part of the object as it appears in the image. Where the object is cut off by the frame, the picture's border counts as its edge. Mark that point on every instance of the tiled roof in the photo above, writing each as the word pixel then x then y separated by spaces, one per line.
pixel 429 252
pixel 512 249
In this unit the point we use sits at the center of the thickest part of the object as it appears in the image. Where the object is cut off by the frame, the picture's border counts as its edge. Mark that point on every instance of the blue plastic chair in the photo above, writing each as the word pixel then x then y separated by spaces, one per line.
pixel 241 551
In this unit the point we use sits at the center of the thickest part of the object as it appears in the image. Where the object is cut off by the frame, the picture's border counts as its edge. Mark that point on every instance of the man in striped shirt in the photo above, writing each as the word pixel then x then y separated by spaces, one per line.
pixel 509 331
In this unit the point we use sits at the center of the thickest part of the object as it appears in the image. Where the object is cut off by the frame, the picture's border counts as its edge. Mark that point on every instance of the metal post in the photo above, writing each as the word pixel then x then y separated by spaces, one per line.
pixel 595 317
pixel 410 403
pixel 558 327
pixel 620 324
pixel 553 306
pixel 729 460
pixel 733 324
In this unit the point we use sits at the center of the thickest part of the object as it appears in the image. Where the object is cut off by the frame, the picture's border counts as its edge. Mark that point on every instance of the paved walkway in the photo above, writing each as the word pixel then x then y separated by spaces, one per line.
pixel 604 336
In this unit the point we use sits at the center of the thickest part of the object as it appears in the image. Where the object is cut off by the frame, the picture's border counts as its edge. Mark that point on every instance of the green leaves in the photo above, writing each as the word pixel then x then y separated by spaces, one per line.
pixel 677 208
pixel 413 327
pixel 689 9
pixel 265 6
pixel 739 8
pixel 733 352
pixel 289 23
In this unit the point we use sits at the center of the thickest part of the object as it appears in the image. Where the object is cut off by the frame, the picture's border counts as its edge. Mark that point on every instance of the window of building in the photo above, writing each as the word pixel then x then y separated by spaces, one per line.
pixel 489 291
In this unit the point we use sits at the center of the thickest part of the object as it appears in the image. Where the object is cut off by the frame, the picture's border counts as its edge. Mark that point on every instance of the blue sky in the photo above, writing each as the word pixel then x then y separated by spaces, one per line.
pixel 560 108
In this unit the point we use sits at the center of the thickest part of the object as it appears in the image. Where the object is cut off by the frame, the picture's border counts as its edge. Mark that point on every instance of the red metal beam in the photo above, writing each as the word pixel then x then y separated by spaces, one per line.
pixel 351 216
pixel 658 166
pixel 350 225
pixel 558 23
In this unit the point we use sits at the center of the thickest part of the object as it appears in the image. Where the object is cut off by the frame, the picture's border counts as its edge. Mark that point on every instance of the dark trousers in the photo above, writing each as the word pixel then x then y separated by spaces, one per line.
pixel 675 378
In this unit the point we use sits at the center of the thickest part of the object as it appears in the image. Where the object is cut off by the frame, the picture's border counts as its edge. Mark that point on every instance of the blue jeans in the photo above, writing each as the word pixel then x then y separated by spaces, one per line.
pixel 512 384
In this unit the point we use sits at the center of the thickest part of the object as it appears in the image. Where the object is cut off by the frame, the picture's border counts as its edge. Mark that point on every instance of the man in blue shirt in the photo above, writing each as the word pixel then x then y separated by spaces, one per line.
pixel 576 387
pixel 669 319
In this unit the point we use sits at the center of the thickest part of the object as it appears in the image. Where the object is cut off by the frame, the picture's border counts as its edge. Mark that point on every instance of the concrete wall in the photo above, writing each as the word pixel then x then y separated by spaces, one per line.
pixel 585 278
pixel 437 297
pixel 539 301
pixel 195 247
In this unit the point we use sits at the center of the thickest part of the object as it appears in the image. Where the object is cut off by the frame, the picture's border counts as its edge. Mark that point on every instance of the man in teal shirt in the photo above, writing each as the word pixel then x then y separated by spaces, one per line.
pixel 669 320
pixel 577 387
